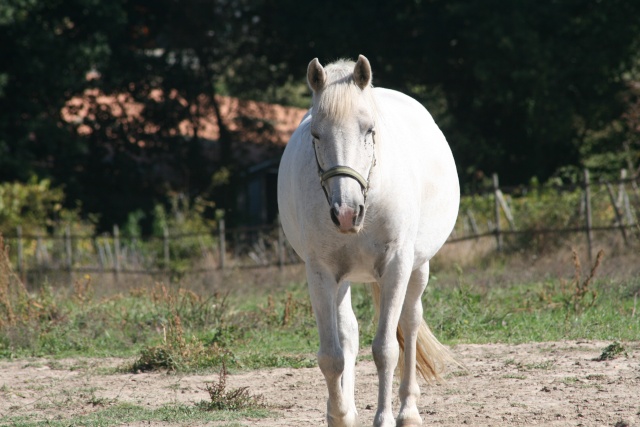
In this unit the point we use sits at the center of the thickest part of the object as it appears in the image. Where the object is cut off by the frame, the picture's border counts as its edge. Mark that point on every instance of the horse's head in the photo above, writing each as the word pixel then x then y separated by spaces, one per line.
pixel 343 128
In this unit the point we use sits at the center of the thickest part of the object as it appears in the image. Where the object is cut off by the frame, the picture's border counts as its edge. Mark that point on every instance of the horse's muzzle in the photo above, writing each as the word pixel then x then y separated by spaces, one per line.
pixel 348 219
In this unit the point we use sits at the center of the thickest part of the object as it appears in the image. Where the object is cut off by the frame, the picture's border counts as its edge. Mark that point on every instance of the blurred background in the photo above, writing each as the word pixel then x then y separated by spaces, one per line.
pixel 165 116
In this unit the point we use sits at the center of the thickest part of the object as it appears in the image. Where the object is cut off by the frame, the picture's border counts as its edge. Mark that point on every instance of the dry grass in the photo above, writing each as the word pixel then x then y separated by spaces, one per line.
pixel 16 305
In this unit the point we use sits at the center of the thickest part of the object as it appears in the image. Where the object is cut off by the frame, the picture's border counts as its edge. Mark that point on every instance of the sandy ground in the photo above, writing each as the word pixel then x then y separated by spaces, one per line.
pixel 543 384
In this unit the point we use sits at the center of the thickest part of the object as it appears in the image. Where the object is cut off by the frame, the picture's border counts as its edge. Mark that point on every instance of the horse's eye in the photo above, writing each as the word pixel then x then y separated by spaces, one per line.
pixel 370 131
pixel 315 136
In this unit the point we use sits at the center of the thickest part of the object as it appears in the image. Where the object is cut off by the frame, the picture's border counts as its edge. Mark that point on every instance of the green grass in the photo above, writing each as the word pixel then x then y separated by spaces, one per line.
pixel 125 413
pixel 256 334
pixel 173 328
pixel 525 312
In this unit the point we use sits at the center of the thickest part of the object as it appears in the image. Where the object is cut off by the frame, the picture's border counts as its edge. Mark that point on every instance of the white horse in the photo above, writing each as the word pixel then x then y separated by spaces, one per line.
pixel 368 192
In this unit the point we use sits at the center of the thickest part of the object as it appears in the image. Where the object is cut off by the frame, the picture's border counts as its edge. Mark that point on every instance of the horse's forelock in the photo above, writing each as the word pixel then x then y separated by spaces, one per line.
pixel 339 96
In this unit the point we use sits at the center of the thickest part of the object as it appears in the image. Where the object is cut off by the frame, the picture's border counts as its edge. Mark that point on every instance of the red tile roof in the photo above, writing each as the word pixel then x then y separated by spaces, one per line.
pixel 271 124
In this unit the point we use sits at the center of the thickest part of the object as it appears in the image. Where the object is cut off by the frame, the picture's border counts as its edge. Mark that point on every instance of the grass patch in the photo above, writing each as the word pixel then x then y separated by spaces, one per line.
pixel 552 309
pixel 179 353
pixel 611 352
pixel 125 413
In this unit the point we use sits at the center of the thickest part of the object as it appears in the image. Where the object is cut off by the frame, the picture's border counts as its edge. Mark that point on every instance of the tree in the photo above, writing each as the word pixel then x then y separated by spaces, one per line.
pixel 46 49
pixel 521 88
pixel 160 62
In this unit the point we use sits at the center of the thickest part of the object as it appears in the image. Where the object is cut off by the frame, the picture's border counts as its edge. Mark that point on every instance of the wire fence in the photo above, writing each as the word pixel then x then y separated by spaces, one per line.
pixel 505 215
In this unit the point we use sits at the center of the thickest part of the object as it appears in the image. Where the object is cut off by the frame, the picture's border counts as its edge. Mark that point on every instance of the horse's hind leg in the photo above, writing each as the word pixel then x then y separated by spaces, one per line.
pixel 410 321
pixel 325 299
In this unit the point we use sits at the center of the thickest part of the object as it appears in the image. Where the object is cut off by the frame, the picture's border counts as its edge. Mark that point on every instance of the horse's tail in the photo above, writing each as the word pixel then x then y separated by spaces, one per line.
pixel 432 357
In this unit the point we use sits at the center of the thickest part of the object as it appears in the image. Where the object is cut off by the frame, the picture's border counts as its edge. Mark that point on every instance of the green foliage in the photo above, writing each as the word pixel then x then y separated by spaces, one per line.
pixel 35 206
pixel 612 351
pixel 186 218
pixel 555 205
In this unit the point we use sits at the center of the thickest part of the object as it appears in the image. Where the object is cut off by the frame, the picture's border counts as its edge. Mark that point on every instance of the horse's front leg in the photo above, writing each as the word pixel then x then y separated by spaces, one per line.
pixel 327 299
pixel 393 286
pixel 349 341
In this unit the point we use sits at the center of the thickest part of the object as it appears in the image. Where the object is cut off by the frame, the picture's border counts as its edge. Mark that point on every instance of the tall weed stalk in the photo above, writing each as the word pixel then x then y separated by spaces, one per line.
pixel 578 295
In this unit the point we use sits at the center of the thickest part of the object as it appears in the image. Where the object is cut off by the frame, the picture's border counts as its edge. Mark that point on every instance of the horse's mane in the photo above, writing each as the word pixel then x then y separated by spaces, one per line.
pixel 338 98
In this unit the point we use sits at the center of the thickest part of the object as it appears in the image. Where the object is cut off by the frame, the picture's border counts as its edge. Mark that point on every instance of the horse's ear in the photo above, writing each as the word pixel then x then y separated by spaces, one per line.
pixel 362 72
pixel 316 76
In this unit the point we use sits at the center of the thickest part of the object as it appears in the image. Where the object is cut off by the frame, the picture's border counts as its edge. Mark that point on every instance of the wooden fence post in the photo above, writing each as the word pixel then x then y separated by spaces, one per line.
pixel 281 243
pixel 165 245
pixel 616 211
pixel 67 245
pixel 99 252
pixel 39 251
pixel 20 253
pixel 496 197
pixel 472 222
pixel 222 243
pixel 623 197
pixel 116 251
pixel 587 210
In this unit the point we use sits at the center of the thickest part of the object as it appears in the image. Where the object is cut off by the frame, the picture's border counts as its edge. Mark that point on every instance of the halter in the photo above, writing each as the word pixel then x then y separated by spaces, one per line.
pixel 345 171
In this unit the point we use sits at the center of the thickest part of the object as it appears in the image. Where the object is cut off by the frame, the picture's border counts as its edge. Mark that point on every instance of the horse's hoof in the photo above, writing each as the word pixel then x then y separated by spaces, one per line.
pixel 409 422
pixel 349 420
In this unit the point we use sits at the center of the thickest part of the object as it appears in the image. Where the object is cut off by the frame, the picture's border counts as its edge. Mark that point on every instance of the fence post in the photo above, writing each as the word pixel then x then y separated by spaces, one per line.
pixel 587 210
pixel 473 223
pixel 99 251
pixel 222 243
pixel 20 253
pixel 116 250
pixel 165 245
pixel 67 245
pixel 616 211
pixel 280 244
pixel 496 196
pixel 623 197
pixel 39 251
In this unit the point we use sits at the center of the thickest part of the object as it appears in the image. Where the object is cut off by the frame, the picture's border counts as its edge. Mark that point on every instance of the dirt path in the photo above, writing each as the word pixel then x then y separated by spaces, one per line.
pixel 545 384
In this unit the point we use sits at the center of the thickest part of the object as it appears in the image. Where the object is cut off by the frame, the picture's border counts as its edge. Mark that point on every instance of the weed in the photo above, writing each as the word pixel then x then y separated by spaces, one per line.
pixel 597 377
pixel 99 401
pixel 237 399
pixel 571 380
pixel 179 353
pixel 581 287
pixel 515 377
pixel 612 351
pixel 14 298
pixel 545 366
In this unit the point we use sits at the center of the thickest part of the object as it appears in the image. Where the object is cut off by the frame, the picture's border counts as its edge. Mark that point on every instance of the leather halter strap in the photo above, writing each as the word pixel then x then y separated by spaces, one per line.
pixel 341 170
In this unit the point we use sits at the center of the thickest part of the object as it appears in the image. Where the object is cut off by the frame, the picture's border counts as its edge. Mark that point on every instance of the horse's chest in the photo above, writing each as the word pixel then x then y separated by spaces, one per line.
pixel 358 263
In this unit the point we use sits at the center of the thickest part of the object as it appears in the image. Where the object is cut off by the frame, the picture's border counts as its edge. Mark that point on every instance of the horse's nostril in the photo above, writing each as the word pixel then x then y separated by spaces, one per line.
pixel 359 215
pixel 334 215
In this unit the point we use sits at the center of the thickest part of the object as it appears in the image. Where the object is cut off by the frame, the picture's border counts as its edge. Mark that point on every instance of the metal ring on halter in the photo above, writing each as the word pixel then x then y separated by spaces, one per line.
pixel 345 171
